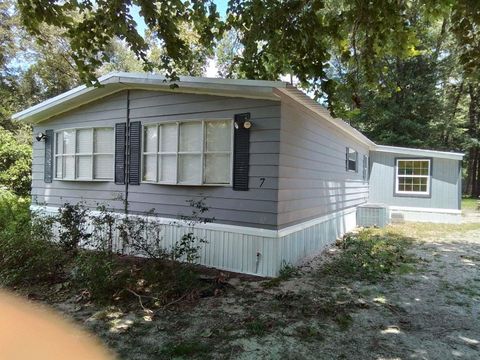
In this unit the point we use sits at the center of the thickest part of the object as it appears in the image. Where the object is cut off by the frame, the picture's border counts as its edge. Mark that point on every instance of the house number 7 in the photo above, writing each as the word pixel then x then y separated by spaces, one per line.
pixel 262 181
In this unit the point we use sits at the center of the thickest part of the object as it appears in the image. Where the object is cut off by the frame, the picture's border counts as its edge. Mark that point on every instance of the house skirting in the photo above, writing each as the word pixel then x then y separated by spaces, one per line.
pixel 418 214
pixel 246 249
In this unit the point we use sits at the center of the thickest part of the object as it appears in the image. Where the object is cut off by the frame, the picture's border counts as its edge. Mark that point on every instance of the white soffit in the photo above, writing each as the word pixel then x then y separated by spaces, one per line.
pixel 419 152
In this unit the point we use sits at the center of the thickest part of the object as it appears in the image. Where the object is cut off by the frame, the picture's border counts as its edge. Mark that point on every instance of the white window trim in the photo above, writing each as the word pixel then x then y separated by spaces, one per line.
pixel 398 176
pixel 177 152
pixel 348 160
pixel 75 154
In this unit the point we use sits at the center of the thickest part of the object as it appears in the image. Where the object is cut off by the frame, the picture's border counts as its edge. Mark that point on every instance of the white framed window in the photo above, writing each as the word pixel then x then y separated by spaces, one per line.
pixel 188 152
pixel 413 176
pixel 84 154
pixel 352 159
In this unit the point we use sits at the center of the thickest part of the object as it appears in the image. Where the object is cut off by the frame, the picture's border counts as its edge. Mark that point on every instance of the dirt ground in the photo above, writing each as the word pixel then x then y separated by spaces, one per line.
pixel 432 312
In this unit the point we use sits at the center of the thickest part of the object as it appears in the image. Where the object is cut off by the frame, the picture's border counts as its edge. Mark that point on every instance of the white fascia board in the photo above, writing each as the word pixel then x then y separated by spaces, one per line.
pixel 298 97
pixel 247 89
pixel 419 152
pixel 201 80
pixel 117 81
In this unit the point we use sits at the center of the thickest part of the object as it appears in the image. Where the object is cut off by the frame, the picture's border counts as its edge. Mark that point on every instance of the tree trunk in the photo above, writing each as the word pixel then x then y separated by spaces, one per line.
pixel 473 167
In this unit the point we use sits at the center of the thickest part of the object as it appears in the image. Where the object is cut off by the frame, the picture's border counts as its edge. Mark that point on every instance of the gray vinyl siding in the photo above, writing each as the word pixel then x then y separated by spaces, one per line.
pixel 256 207
pixel 445 183
pixel 313 180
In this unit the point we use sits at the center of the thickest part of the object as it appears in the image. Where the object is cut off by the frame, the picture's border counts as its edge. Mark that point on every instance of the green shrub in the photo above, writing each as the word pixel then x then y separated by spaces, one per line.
pixel 25 255
pixel 14 210
pixel 101 274
pixel 15 164
pixel 370 255
pixel 73 221
pixel 287 271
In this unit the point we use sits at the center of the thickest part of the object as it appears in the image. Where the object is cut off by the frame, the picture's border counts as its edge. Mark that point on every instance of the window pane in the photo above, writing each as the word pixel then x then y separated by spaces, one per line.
pixel 217 169
pixel 189 167
pixel 168 141
pixel 59 143
pixel 59 167
pixel 84 141
pixel 191 136
pixel 84 167
pixel 103 167
pixel 68 167
pixel 218 135
pixel 104 140
pixel 352 160
pixel 167 165
pixel 149 168
pixel 150 138
pixel 69 142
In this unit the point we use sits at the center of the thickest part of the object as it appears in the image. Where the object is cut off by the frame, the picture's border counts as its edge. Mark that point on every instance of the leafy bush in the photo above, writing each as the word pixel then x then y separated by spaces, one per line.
pixel 287 271
pixel 143 236
pixel 104 225
pixel 73 230
pixel 25 255
pixel 15 164
pixel 102 275
pixel 370 255
pixel 14 210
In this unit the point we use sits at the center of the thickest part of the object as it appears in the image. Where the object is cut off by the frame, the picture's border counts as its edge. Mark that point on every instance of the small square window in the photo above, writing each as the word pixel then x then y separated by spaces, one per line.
pixel 412 177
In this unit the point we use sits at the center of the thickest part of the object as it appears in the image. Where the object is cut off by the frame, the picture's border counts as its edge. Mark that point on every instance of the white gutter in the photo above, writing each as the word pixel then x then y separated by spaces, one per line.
pixel 419 152
pixel 298 97
pixel 118 81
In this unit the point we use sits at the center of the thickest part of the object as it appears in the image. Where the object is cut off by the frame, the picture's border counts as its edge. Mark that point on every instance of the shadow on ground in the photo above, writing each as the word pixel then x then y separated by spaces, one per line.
pixel 426 310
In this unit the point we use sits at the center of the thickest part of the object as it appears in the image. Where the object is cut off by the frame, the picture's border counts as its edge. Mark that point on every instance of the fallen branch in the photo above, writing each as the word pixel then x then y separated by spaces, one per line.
pixel 176 301
pixel 139 297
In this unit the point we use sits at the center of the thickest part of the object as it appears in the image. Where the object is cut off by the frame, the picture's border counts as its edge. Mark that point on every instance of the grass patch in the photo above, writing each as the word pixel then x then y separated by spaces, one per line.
pixel 187 348
pixel 287 271
pixel 309 333
pixel 344 321
pixel 257 326
pixel 370 255
pixel 470 204
pixel 421 231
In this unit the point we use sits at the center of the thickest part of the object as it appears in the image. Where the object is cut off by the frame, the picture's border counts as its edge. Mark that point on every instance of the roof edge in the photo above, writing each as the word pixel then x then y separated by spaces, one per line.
pixel 117 81
pixel 302 99
pixel 419 152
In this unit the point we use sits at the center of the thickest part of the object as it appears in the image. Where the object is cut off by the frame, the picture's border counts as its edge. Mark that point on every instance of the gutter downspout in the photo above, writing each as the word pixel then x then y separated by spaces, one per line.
pixel 127 154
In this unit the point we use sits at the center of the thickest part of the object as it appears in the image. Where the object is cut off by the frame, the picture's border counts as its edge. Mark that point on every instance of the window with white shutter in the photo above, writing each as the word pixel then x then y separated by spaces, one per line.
pixel 84 154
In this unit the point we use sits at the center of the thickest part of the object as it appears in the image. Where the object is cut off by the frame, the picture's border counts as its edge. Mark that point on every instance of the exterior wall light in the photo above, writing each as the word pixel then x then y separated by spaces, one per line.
pixel 243 124
pixel 41 136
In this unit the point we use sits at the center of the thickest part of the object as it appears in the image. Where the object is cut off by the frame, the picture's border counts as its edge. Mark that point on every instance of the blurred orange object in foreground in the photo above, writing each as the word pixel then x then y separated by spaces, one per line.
pixel 30 332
